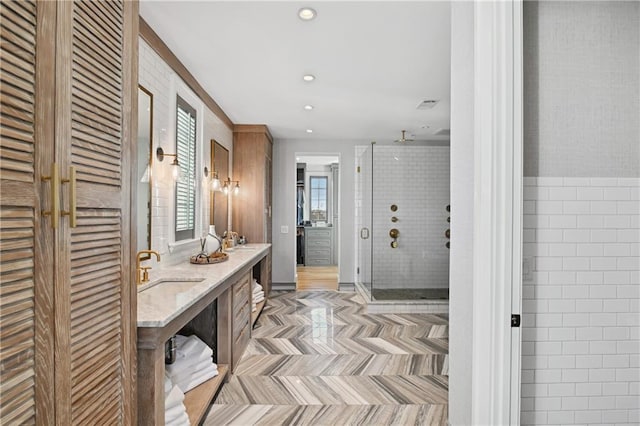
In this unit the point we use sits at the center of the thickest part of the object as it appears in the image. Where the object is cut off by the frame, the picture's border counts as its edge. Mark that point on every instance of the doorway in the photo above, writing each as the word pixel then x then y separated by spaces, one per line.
pixel 317 212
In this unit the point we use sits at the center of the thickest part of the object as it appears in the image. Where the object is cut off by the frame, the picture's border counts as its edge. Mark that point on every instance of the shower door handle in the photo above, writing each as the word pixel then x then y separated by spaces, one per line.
pixel 364 233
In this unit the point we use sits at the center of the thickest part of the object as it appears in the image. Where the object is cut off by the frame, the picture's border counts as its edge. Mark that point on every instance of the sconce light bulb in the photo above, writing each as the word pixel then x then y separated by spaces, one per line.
pixel 176 173
pixel 215 184
pixel 236 190
pixel 225 189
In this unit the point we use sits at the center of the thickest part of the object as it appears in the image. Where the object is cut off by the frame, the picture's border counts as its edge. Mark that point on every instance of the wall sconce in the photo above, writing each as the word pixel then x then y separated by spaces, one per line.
pixel 215 181
pixel 176 172
pixel 226 187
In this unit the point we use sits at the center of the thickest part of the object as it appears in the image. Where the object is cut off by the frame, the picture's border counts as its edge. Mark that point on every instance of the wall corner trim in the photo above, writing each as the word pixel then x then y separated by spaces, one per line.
pixel 149 35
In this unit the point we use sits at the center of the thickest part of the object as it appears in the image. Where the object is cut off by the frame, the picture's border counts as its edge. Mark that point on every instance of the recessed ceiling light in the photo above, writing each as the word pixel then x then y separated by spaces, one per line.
pixel 308 107
pixel 306 14
pixel 308 77
pixel 309 131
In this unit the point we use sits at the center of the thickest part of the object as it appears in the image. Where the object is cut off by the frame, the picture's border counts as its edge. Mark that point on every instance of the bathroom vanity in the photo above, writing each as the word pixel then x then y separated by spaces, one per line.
pixel 177 296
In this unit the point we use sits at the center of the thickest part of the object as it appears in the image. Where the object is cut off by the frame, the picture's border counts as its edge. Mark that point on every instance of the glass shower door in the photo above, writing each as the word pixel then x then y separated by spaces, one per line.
pixel 364 218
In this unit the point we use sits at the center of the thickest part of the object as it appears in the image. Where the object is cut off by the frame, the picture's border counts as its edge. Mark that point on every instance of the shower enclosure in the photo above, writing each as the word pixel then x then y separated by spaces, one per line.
pixel 402 217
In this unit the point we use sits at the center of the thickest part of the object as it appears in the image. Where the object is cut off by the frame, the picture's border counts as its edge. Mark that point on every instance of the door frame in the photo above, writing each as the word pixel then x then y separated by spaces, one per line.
pixel 337 228
pixel 493 196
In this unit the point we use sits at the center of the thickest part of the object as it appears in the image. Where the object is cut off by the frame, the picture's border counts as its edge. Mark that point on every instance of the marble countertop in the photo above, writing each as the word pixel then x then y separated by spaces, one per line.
pixel 175 288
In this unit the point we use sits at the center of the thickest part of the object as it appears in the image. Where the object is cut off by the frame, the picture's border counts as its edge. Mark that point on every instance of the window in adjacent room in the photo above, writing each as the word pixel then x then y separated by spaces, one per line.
pixel 319 195
pixel 186 186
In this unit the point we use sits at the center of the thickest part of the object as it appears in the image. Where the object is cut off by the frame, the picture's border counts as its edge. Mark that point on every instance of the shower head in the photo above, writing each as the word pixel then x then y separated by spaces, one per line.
pixel 403 139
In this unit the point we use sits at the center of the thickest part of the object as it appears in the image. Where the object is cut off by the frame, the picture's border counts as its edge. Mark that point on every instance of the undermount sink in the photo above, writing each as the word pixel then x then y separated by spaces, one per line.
pixel 168 281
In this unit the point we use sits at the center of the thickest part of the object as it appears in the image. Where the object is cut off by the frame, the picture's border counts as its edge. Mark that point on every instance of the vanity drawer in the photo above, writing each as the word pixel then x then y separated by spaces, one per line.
pixel 241 291
pixel 318 243
pixel 241 319
pixel 241 299
pixel 319 252
pixel 240 344
pixel 318 233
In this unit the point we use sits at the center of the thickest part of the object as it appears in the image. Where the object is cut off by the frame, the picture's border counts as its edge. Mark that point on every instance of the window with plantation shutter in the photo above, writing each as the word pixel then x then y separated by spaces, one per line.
pixel 186 185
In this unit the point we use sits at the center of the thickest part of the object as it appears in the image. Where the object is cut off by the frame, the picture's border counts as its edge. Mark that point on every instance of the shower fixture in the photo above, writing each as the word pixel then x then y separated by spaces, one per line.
pixel 403 139
pixel 394 234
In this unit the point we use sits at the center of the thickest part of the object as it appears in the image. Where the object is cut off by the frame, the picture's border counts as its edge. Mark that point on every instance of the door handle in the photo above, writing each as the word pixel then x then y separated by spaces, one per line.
pixel 54 211
pixel 364 233
pixel 73 203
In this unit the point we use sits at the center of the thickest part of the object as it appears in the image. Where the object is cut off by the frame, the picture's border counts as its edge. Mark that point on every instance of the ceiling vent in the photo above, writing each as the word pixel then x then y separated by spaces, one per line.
pixel 443 132
pixel 427 104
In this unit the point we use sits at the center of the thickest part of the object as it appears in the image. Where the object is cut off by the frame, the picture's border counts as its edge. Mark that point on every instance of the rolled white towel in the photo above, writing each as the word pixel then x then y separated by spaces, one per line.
pixel 258 299
pixel 174 412
pixel 182 420
pixel 197 379
pixel 257 287
pixel 174 398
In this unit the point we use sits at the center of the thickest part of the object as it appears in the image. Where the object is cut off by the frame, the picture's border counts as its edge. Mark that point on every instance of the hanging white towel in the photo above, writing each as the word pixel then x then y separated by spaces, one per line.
pixel 182 420
pixel 174 412
pixel 174 398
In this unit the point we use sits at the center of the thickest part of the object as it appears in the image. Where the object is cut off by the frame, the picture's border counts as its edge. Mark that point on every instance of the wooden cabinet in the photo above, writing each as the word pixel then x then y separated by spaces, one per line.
pixel 252 151
pixel 68 306
pixel 252 167
pixel 318 246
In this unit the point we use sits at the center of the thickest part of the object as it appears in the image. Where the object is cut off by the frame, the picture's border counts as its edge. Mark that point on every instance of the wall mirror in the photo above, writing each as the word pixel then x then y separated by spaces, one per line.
pixel 219 201
pixel 143 168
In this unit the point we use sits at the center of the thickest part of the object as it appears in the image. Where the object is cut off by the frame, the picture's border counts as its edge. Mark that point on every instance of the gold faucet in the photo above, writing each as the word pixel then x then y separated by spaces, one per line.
pixel 145 271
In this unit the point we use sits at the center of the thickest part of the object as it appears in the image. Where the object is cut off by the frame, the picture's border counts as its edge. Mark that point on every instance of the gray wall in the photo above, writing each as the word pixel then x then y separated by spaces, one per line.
pixel 581 85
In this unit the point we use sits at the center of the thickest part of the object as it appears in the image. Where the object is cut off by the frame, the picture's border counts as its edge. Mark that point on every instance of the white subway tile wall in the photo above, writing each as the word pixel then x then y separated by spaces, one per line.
pixel 581 302
pixel 157 77
pixel 416 180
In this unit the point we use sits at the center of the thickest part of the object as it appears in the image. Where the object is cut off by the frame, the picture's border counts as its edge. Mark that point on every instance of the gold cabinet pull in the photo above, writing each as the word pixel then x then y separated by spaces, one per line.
pixel 55 196
pixel 72 198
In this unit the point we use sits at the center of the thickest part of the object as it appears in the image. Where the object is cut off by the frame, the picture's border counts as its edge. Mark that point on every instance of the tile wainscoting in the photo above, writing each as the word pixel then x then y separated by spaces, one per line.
pixel 581 294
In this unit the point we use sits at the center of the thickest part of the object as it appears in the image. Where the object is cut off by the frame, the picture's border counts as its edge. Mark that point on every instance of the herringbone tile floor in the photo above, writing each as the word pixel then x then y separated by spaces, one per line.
pixel 317 358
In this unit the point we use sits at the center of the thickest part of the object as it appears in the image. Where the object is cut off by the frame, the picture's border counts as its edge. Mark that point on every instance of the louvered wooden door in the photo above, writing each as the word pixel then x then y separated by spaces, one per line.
pixel 27 255
pixel 96 323
pixel 68 309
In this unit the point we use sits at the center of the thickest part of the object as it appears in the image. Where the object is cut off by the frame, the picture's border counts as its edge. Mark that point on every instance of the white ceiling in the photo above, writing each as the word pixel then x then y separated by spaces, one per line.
pixel 374 63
